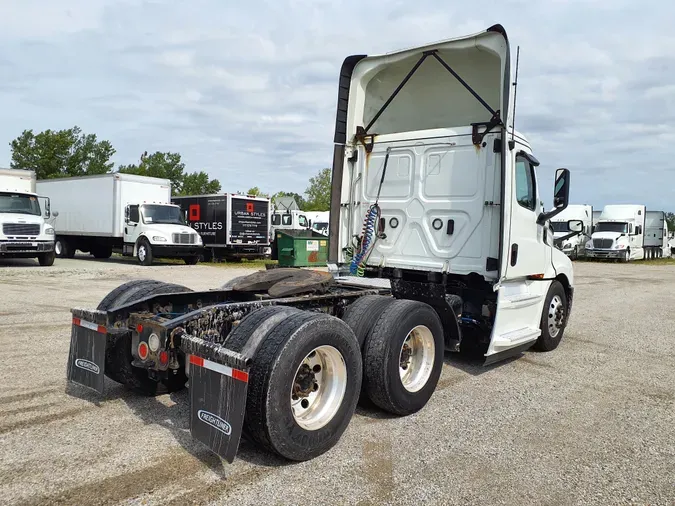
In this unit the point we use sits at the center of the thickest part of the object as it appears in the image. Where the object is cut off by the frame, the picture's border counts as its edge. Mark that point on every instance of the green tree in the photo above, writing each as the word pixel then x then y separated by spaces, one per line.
pixel 670 219
pixel 61 153
pixel 256 192
pixel 198 183
pixel 162 165
pixel 318 192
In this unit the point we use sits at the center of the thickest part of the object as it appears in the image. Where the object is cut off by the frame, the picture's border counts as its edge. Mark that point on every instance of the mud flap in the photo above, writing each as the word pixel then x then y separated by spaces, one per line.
pixel 217 405
pixel 86 360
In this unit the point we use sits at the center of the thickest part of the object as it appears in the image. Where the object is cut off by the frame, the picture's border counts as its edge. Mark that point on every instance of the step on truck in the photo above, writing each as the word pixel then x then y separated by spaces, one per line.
pixel 437 243
pixel 24 230
pixel 573 244
pixel 231 226
pixel 120 213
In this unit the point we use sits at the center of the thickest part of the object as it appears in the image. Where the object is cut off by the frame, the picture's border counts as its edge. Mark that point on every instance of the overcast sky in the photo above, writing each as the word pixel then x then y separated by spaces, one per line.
pixel 247 90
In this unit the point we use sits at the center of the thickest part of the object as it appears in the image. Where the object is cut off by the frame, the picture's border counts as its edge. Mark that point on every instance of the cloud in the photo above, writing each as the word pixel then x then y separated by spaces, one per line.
pixel 247 91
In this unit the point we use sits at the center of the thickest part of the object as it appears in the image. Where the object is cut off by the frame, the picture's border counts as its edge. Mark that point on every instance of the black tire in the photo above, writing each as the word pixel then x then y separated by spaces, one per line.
pixel 546 341
pixel 269 418
pixel 63 248
pixel 144 258
pixel 232 282
pixel 261 322
pixel 381 357
pixel 46 259
pixel 102 252
pixel 362 314
pixel 191 260
pixel 118 355
pixel 575 253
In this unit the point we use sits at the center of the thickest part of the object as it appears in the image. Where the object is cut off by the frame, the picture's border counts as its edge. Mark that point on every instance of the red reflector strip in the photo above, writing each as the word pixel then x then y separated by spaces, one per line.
pixel 91 326
pixel 222 369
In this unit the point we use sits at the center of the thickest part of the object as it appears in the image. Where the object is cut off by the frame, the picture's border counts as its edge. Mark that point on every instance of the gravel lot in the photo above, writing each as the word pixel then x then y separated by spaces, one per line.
pixel 590 423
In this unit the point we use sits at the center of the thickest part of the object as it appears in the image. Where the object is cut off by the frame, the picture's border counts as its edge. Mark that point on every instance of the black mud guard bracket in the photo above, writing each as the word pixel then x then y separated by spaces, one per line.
pixel 447 305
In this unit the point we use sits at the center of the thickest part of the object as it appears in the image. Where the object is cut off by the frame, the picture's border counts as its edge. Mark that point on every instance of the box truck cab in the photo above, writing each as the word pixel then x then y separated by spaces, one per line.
pixel 619 233
pixel 573 244
pixel 24 232
pixel 320 221
pixel 290 219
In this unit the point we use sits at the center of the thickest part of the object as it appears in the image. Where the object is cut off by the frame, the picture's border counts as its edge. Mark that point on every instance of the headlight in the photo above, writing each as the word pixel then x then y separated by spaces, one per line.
pixel 620 246
pixel 589 245
pixel 49 231
pixel 159 238
pixel 199 238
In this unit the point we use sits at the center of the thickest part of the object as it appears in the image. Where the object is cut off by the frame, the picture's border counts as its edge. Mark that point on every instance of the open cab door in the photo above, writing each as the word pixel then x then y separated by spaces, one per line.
pixel 527 266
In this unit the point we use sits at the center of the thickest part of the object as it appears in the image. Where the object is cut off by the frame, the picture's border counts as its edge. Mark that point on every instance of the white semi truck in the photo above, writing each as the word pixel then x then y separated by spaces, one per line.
pixel 573 244
pixel 24 231
pixel 122 213
pixel 621 231
pixel 434 206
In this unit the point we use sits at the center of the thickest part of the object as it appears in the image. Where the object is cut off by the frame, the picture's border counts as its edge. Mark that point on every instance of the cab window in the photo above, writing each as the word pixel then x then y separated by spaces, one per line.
pixel 302 220
pixel 276 219
pixel 525 190
pixel 287 219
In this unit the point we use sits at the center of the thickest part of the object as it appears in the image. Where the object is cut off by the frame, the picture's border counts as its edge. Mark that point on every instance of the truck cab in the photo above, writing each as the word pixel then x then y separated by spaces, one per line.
pixel 24 231
pixel 290 219
pixel 618 233
pixel 573 244
pixel 434 189
pixel 159 230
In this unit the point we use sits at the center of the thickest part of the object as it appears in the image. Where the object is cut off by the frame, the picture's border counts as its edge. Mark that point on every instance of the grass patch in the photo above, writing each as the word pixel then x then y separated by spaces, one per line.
pixel 656 261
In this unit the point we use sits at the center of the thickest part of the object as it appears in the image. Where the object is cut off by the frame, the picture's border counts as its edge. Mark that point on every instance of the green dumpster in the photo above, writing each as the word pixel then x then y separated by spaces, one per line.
pixel 301 248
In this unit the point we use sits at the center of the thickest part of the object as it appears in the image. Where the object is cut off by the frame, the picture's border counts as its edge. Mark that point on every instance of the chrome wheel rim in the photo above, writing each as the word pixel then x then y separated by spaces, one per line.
pixel 416 358
pixel 319 387
pixel 556 316
pixel 57 248
pixel 141 253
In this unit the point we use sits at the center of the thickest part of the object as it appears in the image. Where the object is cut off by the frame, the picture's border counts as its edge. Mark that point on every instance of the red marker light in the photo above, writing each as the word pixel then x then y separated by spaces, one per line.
pixel 143 350
pixel 163 357
pixel 139 328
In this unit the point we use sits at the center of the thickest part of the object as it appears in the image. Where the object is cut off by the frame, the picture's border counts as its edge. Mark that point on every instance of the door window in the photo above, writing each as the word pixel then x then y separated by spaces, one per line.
pixel 302 220
pixel 525 190
pixel 134 216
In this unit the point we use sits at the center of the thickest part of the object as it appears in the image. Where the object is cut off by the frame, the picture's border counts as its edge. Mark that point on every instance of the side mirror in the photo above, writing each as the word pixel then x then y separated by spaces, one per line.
pixel 55 214
pixel 575 225
pixel 561 195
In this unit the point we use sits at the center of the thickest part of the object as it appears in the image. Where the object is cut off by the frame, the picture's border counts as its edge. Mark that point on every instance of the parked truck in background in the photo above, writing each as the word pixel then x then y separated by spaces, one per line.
pixel 231 226
pixel 596 217
pixel 24 231
pixel 121 213
pixel 448 239
pixel 320 221
pixel 656 235
pixel 573 244
pixel 619 233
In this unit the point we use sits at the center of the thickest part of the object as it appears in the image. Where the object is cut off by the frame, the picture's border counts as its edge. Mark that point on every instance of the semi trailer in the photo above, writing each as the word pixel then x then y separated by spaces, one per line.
pixel 24 231
pixel 122 213
pixel 231 225
pixel 573 244
pixel 438 242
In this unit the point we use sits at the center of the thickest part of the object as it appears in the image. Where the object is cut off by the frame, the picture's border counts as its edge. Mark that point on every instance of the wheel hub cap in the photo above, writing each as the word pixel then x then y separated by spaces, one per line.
pixel 318 388
pixel 556 316
pixel 416 359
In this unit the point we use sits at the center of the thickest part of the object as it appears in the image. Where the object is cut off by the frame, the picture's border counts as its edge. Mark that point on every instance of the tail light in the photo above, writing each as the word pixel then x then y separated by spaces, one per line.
pixel 163 358
pixel 143 350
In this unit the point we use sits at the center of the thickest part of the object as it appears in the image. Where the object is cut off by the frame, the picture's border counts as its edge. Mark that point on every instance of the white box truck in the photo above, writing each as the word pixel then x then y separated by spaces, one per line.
pixel 122 213
pixel 442 207
pixel 656 235
pixel 24 232
pixel 619 233
pixel 573 244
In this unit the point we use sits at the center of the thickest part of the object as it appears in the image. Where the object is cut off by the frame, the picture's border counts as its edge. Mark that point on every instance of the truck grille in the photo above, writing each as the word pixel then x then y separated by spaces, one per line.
pixel 14 229
pixel 184 238
pixel 602 243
